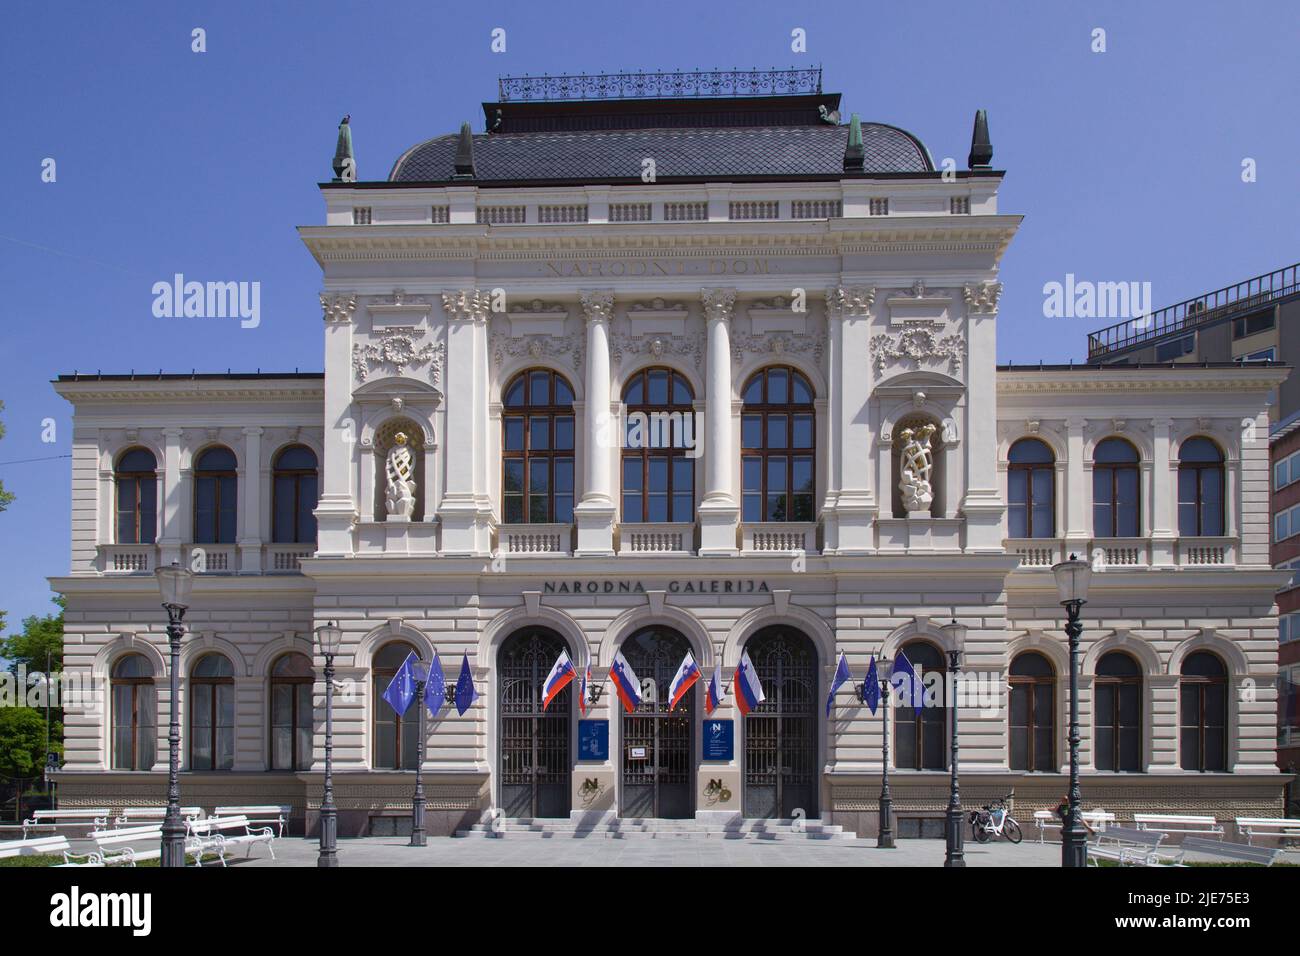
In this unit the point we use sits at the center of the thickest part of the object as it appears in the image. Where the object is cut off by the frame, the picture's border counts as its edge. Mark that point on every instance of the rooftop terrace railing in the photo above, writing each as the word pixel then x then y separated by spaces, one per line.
pixel 676 85
pixel 1202 310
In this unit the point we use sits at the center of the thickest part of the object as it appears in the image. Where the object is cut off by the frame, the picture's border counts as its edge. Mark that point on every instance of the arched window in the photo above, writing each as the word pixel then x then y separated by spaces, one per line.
pixel 136 477
pixel 1203 713
pixel 537 449
pixel 1200 488
pixel 291 712
pixel 658 476
pixel 1116 489
pixel 920 742
pixel 135 713
pixel 1031 487
pixel 215 497
pixel 212 713
pixel 1117 723
pixel 778 441
pixel 1033 713
pixel 396 735
pixel 293 496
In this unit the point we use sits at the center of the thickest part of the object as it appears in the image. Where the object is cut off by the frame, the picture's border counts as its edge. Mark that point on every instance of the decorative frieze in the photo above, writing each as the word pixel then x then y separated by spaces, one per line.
pixel 918 342
pixel 538 346
pixel 657 346
pixel 396 349
pixel 777 344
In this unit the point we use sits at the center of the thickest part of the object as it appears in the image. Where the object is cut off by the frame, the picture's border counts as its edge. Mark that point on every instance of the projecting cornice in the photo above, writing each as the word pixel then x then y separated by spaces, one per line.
pixel 1083 380
pixel 696 240
pixel 204 390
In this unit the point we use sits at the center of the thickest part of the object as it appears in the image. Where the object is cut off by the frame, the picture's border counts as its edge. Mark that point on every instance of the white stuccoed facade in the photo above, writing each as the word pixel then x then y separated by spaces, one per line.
pixel 425 323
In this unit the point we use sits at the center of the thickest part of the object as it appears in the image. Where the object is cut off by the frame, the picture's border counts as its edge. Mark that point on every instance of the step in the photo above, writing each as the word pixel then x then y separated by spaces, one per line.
pixel 754 830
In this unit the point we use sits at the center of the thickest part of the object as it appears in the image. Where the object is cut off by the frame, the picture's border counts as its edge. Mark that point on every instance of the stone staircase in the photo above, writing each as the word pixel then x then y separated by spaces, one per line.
pixel 613 828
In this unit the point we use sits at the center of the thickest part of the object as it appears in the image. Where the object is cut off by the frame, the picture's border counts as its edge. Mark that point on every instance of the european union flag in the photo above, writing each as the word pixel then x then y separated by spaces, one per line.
pixel 401 689
pixel 435 689
pixel 841 676
pixel 907 683
pixel 871 688
pixel 465 693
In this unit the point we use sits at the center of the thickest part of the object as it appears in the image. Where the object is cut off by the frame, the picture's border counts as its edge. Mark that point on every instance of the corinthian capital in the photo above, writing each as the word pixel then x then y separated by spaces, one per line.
pixel 846 301
pixel 718 303
pixel 982 296
pixel 468 304
pixel 598 305
pixel 338 306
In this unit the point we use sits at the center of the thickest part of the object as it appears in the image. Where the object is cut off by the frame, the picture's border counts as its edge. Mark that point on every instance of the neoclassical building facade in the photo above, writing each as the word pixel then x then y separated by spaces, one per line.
pixel 745 403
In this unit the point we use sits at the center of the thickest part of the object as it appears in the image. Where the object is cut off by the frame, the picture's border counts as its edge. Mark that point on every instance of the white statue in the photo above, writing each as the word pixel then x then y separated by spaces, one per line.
pixel 399 495
pixel 917 463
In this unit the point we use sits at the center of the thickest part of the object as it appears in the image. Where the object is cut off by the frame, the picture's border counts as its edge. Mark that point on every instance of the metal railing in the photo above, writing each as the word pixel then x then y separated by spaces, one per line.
pixel 661 85
pixel 1193 313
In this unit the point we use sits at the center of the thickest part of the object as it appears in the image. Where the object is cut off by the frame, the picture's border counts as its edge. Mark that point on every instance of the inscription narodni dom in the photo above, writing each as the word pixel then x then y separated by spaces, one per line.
pixel 617 268
pixel 743 586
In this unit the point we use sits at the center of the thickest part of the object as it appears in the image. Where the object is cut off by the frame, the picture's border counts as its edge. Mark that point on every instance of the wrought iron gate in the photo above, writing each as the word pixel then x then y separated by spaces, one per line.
pixel 536 765
pixel 781 733
pixel 658 746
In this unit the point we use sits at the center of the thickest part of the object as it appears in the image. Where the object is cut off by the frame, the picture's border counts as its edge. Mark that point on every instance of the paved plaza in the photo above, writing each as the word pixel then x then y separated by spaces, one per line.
pixel 673 851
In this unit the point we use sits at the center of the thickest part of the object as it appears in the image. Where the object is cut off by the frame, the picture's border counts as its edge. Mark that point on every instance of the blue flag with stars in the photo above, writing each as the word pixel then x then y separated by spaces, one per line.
pixel 435 689
pixel 465 692
pixel 841 676
pixel 907 683
pixel 871 688
pixel 401 689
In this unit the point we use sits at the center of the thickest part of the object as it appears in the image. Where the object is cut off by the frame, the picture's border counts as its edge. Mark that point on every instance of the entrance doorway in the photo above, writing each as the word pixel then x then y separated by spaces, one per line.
pixel 781 774
pixel 536 763
pixel 658 762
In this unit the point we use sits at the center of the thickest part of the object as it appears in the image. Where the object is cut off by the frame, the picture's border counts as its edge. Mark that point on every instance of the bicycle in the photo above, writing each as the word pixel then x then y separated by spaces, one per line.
pixel 995 820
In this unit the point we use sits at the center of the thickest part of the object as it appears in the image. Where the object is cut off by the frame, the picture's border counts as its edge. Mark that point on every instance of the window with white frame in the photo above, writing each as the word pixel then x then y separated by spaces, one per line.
pixel 1288 627
pixel 1286 471
pixel 1286 523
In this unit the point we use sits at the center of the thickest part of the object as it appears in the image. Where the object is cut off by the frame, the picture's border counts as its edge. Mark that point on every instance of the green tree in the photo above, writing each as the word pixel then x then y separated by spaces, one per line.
pixel 5 496
pixel 22 742
pixel 39 636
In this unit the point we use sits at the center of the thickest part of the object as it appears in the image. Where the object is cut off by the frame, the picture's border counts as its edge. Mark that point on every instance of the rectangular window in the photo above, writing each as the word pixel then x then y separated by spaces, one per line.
pixel 1175 349
pixel 360 215
pixel 1252 324
pixel 686 211
pixel 629 212
pixel 753 488
pixel 632 488
pixel 1263 355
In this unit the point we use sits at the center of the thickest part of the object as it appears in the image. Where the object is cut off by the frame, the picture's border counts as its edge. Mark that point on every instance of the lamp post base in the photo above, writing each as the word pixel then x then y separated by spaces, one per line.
pixel 885 838
pixel 329 833
pixel 955 855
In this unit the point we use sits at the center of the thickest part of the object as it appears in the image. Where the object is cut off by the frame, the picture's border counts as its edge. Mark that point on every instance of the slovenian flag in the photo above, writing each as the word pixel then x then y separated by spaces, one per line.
pixel 584 690
pixel 683 681
pixel 841 676
pixel 625 682
pixel 713 693
pixel 560 677
pixel 746 685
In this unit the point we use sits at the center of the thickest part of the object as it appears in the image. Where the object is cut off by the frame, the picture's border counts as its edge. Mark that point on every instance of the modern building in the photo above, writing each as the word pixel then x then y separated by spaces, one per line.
pixel 1257 320
pixel 658 365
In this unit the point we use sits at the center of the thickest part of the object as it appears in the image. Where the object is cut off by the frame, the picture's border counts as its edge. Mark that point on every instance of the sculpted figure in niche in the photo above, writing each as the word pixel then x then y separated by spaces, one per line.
pixel 916 461
pixel 399 495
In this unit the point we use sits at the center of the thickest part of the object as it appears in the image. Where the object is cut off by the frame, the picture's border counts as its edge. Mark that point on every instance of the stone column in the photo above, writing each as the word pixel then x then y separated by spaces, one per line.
pixel 250 505
pixel 982 504
pixel 1164 477
pixel 1077 495
pixel 850 506
pixel 595 513
pixel 171 491
pixel 336 509
pixel 718 512
pixel 466 527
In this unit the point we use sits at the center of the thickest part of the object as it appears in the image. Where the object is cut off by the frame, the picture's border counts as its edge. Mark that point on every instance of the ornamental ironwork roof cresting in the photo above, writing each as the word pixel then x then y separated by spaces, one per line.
pixel 660 85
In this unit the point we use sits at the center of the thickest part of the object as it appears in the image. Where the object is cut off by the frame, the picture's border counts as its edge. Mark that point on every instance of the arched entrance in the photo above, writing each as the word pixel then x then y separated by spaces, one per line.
pixel 780 772
pixel 658 763
pixel 536 763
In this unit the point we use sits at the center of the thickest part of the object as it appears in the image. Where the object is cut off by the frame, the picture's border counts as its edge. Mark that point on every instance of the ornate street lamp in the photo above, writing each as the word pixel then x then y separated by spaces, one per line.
pixel 954 855
pixel 174 582
pixel 328 639
pixel 885 836
pixel 418 837
pixel 1072 578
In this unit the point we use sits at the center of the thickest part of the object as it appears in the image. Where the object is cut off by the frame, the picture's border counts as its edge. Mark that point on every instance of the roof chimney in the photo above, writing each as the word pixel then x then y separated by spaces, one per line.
pixel 465 154
pixel 854 156
pixel 981 150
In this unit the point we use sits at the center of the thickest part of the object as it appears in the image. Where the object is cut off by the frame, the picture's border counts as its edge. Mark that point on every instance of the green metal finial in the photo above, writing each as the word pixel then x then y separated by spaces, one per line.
pixel 465 154
pixel 854 155
pixel 345 163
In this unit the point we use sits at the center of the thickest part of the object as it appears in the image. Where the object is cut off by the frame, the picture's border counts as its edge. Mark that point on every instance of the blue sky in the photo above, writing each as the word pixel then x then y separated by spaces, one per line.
pixel 1126 164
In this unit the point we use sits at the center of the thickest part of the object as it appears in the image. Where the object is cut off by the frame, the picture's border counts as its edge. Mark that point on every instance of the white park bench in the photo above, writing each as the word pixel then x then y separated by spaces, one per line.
pixel 1049 820
pixel 128 845
pixel 1177 823
pixel 274 815
pixel 1126 846
pixel 1222 850
pixel 95 818
pixel 140 815
pixel 217 834
pixel 1281 827
pixel 37 846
